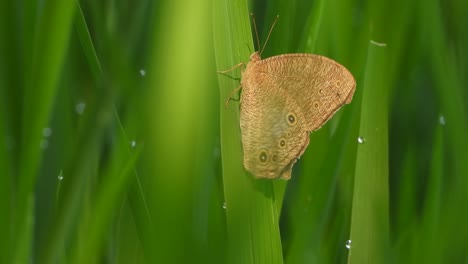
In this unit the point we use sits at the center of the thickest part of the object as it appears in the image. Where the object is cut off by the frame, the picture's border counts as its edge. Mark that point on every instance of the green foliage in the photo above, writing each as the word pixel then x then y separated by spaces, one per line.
pixel 116 147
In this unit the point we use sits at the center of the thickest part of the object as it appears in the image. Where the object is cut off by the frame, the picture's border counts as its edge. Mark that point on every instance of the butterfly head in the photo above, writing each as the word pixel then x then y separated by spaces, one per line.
pixel 255 57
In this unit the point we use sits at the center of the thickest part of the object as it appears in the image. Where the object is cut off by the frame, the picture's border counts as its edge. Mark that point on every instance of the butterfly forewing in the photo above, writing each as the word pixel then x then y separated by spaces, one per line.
pixel 320 86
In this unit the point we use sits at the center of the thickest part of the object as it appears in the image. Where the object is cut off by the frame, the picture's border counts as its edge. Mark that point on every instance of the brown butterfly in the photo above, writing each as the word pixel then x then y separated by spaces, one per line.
pixel 284 98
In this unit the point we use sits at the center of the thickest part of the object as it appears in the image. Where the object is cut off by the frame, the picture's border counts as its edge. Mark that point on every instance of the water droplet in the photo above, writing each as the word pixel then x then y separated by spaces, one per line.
pixel 46 132
pixel 361 140
pixel 224 205
pixel 442 120
pixel 60 176
pixel 348 244
pixel 44 143
pixel 142 72
pixel 379 44
pixel 80 107
pixel 133 143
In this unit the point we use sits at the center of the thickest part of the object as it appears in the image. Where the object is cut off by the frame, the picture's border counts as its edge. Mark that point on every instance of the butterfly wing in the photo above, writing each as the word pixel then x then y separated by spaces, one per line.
pixel 283 99
pixel 319 85
pixel 274 134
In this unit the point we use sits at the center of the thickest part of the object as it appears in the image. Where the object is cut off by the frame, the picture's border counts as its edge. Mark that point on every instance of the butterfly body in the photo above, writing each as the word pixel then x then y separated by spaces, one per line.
pixel 283 99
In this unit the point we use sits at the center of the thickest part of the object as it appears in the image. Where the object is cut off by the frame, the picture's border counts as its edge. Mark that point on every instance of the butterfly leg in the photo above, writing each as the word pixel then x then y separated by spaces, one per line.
pixel 233 68
pixel 238 88
pixel 231 94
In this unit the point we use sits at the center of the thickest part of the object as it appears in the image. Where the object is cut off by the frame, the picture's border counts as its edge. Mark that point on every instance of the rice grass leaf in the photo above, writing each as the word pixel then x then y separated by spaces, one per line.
pixel 87 44
pixel 178 133
pixel 116 178
pixel 370 219
pixel 50 40
pixel 251 209
pixel 6 76
pixel 5 192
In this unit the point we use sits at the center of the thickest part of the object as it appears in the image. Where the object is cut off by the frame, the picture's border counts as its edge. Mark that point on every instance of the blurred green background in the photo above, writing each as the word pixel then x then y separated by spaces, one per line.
pixel 115 146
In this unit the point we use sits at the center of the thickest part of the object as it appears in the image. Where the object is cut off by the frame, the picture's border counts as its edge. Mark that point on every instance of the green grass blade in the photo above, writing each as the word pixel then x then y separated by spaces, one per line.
pixel 79 171
pixel 370 218
pixel 449 87
pixel 313 26
pixel 5 192
pixel 50 44
pixel 448 73
pixel 178 91
pixel 87 44
pixel 429 229
pixel 94 229
pixel 251 210
pixel 7 66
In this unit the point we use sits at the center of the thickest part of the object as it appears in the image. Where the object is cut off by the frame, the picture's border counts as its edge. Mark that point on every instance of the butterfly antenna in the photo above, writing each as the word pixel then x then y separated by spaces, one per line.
pixel 256 31
pixel 268 37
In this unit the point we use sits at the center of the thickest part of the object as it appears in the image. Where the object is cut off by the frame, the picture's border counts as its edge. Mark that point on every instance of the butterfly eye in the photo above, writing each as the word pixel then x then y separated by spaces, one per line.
pixel 282 143
pixel 263 157
pixel 291 119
